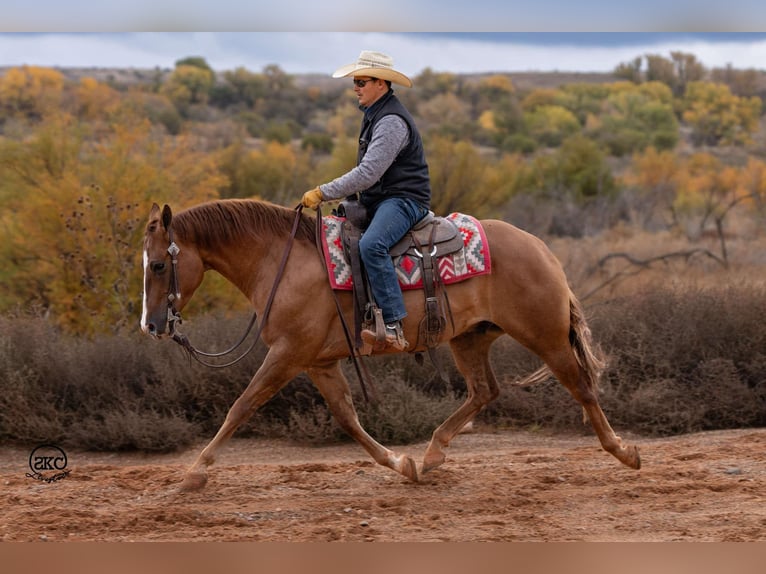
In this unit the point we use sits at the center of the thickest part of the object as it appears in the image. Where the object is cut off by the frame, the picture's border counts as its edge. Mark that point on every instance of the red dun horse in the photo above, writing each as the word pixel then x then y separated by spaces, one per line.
pixel 526 296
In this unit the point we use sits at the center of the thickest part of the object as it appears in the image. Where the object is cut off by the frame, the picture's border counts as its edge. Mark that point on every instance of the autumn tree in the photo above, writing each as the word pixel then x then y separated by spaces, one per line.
pixel 30 92
pixel 73 214
pixel 654 178
pixel 460 179
pixel 189 84
pixel 718 117
pixel 445 114
pixel 276 172
pixel 550 125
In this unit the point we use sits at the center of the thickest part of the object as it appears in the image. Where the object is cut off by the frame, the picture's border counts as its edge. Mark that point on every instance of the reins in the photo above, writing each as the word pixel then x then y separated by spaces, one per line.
pixel 359 365
pixel 174 316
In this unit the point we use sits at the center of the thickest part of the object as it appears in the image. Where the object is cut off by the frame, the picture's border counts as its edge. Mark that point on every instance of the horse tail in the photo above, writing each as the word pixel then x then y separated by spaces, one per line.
pixel 586 354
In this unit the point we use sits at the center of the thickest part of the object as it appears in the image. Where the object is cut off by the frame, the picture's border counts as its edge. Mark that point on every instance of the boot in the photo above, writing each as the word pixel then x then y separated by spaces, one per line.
pixel 394 337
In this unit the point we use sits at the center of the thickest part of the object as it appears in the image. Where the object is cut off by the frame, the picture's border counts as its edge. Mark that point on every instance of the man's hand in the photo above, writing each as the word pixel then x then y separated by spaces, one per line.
pixel 312 198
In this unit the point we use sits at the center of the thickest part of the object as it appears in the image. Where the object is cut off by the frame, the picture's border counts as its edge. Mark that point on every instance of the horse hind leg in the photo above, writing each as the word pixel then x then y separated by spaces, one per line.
pixel 471 353
pixel 577 367
pixel 333 386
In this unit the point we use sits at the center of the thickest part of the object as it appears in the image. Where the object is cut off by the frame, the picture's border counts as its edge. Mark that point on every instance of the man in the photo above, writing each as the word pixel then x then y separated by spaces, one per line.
pixel 391 178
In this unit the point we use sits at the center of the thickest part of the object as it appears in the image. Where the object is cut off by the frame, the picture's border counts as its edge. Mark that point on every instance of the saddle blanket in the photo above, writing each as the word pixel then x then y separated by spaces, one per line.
pixel 468 262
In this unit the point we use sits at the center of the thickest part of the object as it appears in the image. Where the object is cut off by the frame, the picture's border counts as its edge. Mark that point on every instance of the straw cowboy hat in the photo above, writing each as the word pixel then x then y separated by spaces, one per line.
pixel 375 65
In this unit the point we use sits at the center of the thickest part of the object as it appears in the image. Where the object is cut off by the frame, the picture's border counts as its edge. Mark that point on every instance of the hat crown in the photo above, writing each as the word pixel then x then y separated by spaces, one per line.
pixel 375 64
pixel 369 59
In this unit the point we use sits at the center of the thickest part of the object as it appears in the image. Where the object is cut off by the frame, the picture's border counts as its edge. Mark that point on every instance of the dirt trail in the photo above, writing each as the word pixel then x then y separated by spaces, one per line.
pixel 494 487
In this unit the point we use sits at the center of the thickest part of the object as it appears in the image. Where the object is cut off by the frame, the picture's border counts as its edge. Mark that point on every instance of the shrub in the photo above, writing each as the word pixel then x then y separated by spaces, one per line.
pixel 680 360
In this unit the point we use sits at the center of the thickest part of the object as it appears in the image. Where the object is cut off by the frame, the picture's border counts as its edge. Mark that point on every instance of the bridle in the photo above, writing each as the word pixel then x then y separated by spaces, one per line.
pixel 174 316
pixel 174 293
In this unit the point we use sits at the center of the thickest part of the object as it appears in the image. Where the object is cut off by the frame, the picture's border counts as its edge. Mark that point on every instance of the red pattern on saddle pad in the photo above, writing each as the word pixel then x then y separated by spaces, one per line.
pixel 469 262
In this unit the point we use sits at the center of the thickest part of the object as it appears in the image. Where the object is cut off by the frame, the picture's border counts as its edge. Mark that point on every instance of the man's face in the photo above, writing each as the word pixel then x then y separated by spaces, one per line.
pixel 368 90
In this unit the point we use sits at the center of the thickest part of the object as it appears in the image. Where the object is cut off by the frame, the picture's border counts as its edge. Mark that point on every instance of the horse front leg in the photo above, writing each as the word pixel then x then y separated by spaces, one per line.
pixel 273 374
pixel 333 386
pixel 471 353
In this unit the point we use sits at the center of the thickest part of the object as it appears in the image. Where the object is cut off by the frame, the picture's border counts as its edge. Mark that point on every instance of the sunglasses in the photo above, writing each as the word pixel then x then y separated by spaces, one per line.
pixel 363 83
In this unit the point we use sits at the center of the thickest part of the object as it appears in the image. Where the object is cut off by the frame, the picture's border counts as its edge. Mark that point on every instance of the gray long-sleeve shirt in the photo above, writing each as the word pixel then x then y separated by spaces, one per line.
pixel 388 138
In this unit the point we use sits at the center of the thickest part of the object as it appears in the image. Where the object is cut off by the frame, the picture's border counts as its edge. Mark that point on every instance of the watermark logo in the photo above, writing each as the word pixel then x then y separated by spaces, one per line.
pixel 48 463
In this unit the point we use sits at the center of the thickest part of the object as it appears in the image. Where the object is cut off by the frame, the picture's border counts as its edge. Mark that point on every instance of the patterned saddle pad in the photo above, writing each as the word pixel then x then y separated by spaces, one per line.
pixel 468 262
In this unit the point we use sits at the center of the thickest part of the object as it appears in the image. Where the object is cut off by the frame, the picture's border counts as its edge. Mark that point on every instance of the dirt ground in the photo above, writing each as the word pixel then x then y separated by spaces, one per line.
pixel 494 486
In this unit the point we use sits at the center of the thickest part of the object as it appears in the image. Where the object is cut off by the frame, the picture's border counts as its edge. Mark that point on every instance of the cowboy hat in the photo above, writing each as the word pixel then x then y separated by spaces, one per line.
pixel 375 65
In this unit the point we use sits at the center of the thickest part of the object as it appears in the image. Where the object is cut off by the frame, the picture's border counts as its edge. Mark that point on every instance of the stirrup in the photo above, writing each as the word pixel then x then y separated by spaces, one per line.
pixel 393 336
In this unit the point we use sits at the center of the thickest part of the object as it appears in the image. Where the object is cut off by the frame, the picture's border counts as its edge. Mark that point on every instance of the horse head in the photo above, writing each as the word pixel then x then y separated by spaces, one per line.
pixel 172 272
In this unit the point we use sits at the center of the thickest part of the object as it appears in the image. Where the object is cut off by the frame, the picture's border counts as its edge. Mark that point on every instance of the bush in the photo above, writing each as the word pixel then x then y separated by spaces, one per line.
pixel 679 361
pixel 685 360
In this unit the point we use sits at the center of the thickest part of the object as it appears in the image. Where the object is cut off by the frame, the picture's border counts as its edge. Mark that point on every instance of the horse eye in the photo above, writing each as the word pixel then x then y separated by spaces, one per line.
pixel 158 267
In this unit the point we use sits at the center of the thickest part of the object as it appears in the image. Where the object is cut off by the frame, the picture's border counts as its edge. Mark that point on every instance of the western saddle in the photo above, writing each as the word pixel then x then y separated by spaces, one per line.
pixel 432 237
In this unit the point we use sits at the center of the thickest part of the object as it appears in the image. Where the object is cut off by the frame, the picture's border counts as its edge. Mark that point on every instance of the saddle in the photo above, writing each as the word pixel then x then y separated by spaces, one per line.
pixel 430 238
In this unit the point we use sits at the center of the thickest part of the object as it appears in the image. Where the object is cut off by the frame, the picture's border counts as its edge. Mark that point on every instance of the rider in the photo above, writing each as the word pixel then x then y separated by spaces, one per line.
pixel 391 178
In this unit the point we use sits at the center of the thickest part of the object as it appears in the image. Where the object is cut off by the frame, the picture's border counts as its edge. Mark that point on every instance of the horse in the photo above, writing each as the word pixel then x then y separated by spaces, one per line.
pixel 526 296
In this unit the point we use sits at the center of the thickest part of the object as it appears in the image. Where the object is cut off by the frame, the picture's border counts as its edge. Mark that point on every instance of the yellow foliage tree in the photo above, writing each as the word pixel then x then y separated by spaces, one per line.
pixel 188 85
pixel 718 117
pixel 30 91
pixel 461 179
pixel 95 100
pixel 73 214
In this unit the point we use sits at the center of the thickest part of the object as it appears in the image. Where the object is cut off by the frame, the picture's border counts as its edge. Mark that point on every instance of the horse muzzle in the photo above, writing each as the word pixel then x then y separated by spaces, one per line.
pixel 160 327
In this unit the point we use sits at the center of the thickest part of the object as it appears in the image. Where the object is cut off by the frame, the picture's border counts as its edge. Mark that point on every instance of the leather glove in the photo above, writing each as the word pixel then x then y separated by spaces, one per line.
pixel 312 198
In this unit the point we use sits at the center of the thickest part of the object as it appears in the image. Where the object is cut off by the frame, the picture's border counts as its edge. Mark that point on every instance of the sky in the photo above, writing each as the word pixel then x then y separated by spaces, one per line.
pixel 316 36
pixel 322 52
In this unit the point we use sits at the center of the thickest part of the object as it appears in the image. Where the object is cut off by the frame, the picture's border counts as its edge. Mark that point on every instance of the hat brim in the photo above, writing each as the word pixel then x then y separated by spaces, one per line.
pixel 382 73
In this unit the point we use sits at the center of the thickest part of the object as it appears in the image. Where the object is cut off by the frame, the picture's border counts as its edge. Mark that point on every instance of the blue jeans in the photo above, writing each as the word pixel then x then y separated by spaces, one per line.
pixel 392 219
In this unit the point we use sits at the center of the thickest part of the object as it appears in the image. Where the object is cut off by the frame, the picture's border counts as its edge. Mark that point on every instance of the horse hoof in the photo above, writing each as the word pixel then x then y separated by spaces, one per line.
pixel 431 461
pixel 629 456
pixel 410 469
pixel 193 482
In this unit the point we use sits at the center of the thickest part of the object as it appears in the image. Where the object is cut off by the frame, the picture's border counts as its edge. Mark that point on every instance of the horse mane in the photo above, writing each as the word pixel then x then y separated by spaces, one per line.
pixel 222 222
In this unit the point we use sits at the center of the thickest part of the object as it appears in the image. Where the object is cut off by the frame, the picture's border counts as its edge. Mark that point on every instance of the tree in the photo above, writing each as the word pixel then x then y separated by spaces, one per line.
pixel 577 170
pixel 458 178
pixel 718 117
pixel 275 173
pixel 630 71
pixel 687 69
pixel 95 100
pixel 445 114
pixel 30 92
pixel 655 176
pixel 240 86
pixel 550 125
pixel 661 69
pixel 72 215
pixel 634 117
pixel 187 85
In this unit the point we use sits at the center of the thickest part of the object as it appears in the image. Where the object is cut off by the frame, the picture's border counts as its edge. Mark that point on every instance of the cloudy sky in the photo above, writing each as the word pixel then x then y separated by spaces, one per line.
pixel 305 36
pixel 322 52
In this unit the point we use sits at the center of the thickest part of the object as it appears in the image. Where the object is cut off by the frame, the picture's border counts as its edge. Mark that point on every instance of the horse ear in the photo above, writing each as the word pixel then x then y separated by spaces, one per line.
pixel 167 216
pixel 154 218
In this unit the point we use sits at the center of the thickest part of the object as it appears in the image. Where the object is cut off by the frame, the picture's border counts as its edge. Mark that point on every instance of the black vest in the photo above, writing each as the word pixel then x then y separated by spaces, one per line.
pixel 408 175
